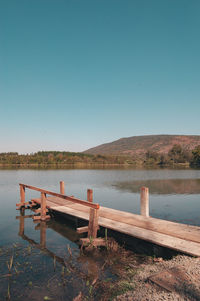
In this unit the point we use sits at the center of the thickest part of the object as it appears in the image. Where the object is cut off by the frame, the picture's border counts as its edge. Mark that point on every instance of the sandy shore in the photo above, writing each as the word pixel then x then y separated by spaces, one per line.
pixel 145 289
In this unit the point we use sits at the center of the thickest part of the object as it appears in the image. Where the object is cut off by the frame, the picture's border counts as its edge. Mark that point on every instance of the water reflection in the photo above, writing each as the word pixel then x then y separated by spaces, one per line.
pixel 42 226
pixel 66 275
pixel 38 244
pixel 167 186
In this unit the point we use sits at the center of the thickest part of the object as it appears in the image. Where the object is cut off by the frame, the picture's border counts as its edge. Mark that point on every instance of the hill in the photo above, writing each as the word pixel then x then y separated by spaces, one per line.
pixel 139 145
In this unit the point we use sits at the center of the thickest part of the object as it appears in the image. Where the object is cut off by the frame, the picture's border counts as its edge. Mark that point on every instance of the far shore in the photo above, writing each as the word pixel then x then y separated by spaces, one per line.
pixel 94 165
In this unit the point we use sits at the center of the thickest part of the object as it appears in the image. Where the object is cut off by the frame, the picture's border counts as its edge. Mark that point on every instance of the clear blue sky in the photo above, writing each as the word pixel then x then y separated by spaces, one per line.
pixel 78 73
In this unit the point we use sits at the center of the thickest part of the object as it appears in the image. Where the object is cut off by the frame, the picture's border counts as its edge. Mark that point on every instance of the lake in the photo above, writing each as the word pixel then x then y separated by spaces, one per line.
pixel 58 271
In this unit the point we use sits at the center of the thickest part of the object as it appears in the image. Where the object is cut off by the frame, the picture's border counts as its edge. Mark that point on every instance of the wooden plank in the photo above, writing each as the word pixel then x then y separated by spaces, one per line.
pixel 71 211
pixel 176 236
pixel 183 231
pixel 75 200
pixel 191 233
pixel 38 217
pixel 164 240
pixel 174 279
pixel 96 242
pixel 39 210
pixel 82 230
pixel 63 203
pixel 23 204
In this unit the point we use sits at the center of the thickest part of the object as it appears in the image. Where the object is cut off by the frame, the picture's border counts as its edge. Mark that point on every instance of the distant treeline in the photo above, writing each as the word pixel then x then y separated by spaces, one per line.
pixel 177 155
pixel 58 158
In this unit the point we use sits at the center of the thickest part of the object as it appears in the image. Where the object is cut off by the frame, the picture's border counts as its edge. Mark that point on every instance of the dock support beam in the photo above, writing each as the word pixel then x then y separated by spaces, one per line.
pixel 62 187
pixel 93 223
pixel 144 201
pixel 22 195
pixel 43 206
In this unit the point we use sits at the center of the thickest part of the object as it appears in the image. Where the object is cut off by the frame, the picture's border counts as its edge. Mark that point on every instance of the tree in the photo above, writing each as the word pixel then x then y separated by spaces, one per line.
pixel 152 157
pixel 176 154
pixel 195 161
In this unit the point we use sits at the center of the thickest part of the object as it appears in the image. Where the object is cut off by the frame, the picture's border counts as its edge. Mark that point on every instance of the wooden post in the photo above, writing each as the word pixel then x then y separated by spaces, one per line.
pixel 93 223
pixel 144 201
pixel 90 195
pixel 62 187
pixel 22 194
pixel 43 206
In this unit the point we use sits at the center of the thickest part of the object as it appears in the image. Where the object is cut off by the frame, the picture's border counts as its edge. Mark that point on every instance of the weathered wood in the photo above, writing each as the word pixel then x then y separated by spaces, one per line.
pixel 38 217
pixel 164 240
pixel 183 231
pixel 43 206
pixel 72 199
pixel 90 195
pixel 93 223
pixel 22 194
pixel 39 210
pixel 180 237
pixel 93 242
pixel 174 279
pixel 188 247
pixel 144 201
pixel 82 230
pixel 62 187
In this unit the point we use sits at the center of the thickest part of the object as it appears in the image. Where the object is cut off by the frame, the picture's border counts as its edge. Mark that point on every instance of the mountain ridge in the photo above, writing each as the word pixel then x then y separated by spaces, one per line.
pixel 139 145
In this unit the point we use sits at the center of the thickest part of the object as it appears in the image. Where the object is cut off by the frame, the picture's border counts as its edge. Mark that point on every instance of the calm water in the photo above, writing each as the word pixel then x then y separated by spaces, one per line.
pixel 54 268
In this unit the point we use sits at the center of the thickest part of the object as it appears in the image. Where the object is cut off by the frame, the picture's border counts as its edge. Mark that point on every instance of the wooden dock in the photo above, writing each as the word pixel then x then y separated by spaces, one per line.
pixel 176 236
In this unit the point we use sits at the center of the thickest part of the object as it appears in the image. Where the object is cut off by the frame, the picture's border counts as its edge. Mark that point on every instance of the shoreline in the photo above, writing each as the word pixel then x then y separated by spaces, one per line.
pixel 94 165
pixel 186 288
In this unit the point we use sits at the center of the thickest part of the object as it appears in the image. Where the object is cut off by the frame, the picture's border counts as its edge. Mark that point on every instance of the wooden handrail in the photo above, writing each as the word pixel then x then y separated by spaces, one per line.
pixel 65 197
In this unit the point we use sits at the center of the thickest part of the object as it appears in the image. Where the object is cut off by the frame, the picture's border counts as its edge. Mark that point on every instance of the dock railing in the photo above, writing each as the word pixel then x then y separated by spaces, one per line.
pixel 94 207
pixel 92 227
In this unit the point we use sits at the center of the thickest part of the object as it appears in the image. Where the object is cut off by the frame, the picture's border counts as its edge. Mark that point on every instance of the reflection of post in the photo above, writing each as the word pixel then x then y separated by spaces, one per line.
pixel 93 270
pixel 62 187
pixel 43 235
pixel 43 206
pixel 91 266
pixel 90 195
pixel 21 224
pixel 144 201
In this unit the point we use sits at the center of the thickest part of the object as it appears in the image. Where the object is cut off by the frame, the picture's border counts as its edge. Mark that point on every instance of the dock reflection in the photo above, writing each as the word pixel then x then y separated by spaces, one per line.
pixel 89 266
pixel 42 226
